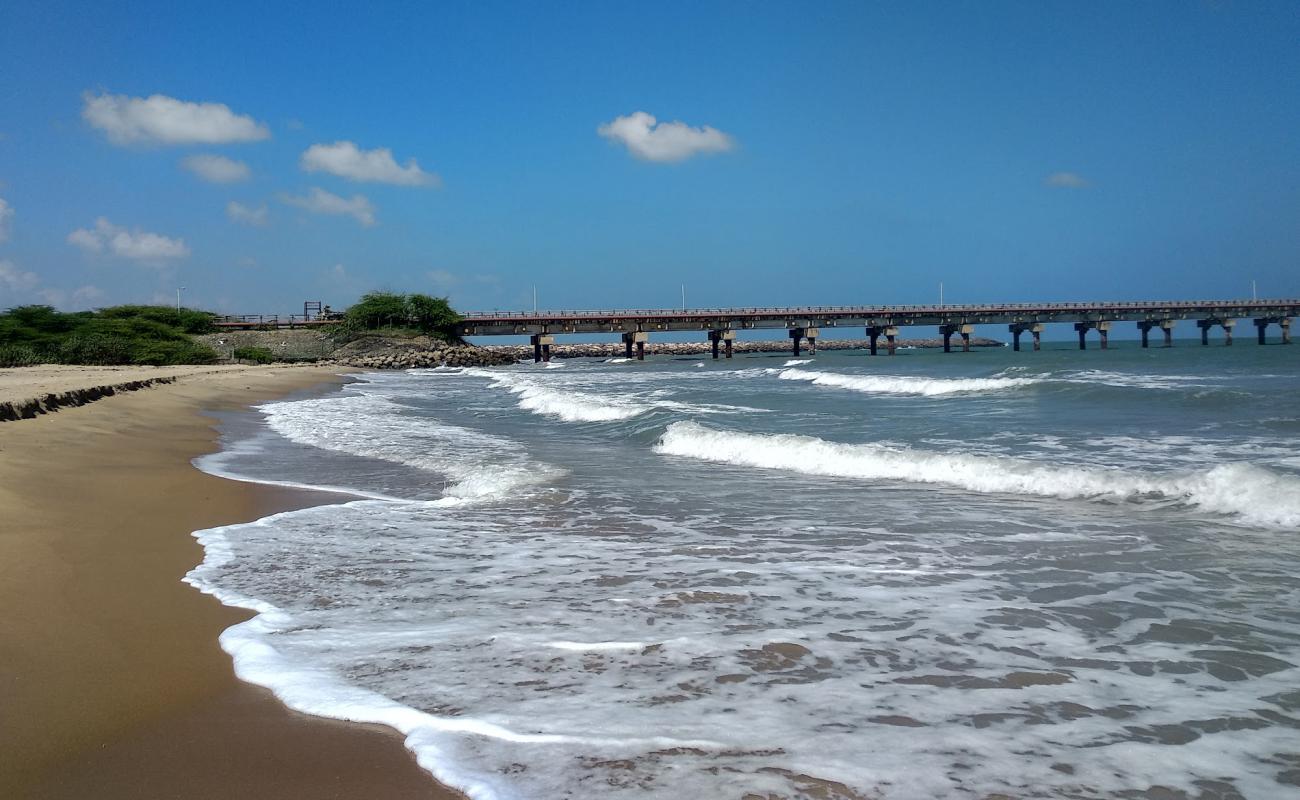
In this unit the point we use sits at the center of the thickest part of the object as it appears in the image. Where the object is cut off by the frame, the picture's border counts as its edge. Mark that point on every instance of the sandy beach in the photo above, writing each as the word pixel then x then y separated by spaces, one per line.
pixel 112 683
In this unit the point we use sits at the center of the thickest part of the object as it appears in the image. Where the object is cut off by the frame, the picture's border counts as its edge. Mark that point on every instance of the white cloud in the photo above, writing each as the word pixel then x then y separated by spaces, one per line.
pixel 216 169
pixel 18 287
pixel 443 280
pixel 159 119
pixel 6 214
pixel 347 160
pixel 238 212
pixel 650 140
pixel 1066 180
pixel 87 240
pixel 87 296
pixel 136 245
pixel 319 201
pixel 14 280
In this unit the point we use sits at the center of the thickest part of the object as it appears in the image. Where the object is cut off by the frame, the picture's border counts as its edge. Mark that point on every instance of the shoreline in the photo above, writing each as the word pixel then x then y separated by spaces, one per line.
pixel 113 682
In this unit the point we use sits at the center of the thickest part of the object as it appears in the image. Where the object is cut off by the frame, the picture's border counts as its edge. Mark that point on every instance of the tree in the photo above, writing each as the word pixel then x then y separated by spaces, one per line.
pixel 377 310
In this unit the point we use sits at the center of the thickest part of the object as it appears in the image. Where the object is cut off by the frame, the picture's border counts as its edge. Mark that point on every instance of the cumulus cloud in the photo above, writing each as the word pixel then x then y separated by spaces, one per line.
pixel 159 119
pixel 216 169
pixel 6 214
pixel 347 160
pixel 651 140
pixel 1066 180
pixel 87 296
pixel 319 201
pixel 15 281
pixel 238 212
pixel 135 245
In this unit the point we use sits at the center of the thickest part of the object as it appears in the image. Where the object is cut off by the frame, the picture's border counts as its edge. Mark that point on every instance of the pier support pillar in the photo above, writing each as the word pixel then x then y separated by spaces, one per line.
pixel 1285 324
pixel 1017 328
pixel 949 330
pixel 1205 325
pixel 542 347
pixel 635 339
pixel 1167 326
pixel 1261 326
pixel 1082 329
pixel 1228 325
pixel 1145 326
pixel 890 334
pixel 797 335
pixel 873 334
pixel 1103 330
pixel 715 337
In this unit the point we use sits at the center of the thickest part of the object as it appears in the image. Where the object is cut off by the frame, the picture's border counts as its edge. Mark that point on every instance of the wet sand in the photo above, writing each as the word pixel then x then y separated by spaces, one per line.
pixel 112 684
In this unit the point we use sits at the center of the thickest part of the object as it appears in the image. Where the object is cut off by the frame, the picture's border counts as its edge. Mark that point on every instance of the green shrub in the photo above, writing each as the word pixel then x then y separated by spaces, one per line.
pixel 119 335
pixel 388 310
pixel 94 348
pixel 260 355
pixel 19 355
pixel 188 320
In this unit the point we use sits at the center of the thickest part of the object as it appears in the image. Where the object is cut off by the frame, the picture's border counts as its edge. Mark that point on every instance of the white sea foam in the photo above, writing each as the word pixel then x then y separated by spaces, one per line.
pixel 570 399
pixel 631 638
pixel 474 466
pixel 797 362
pixel 901 384
pixel 1252 493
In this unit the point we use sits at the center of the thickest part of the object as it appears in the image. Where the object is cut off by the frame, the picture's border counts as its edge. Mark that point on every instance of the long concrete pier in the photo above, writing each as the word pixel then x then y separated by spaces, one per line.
pixel 805 325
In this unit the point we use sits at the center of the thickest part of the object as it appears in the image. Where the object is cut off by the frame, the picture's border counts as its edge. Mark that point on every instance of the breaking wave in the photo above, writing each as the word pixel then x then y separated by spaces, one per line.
pixel 475 466
pixel 1241 490
pixel 898 384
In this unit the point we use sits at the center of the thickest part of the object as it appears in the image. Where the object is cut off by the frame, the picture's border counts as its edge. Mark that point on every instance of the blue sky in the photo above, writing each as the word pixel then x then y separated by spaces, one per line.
pixel 828 153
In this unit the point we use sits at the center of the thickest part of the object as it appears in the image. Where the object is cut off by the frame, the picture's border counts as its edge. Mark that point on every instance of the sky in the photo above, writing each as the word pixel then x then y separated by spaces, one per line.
pixel 608 153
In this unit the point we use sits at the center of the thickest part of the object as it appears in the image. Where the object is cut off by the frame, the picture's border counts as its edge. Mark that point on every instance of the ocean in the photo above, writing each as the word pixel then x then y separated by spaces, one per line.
pixel 1052 574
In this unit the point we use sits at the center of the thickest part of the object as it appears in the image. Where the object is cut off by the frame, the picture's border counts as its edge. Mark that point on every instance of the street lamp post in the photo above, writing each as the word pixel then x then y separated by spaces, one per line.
pixel 178 299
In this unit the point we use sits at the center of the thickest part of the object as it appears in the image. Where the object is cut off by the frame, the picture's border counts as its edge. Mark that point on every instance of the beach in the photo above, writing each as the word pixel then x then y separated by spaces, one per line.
pixel 112 682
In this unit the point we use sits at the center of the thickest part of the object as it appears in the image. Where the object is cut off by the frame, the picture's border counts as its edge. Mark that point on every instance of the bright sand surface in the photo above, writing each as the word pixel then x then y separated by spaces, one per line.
pixel 112 684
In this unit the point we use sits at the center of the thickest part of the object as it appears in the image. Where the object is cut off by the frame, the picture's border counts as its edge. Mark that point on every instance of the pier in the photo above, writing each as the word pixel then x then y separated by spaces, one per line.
pixel 806 324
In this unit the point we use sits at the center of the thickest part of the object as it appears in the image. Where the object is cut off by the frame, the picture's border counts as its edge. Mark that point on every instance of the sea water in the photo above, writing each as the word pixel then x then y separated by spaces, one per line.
pixel 1035 574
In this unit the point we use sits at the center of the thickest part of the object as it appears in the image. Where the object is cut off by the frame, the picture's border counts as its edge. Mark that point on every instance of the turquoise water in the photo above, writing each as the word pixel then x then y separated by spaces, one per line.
pixel 1053 574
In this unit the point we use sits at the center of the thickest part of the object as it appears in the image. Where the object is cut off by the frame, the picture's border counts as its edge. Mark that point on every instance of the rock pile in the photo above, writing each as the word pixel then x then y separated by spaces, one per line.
pixel 377 352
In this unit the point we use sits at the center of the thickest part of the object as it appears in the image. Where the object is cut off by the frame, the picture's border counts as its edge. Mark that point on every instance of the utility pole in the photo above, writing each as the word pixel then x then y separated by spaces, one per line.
pixel 683 297
pixel 940 293
pixel 534 298
pixel 178 299
pixel 1253 296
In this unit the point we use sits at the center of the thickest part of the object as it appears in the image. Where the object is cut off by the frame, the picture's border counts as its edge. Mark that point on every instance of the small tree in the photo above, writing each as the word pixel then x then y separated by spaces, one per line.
pixel 432 315
pixel 377 310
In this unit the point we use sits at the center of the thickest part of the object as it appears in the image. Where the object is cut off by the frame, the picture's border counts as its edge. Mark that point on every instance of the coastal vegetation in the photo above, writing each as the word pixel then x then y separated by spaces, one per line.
pixel 131 334
pixel 393 314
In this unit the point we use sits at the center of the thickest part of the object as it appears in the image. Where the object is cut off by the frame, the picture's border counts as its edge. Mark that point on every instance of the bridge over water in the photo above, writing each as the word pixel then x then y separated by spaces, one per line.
pixel 807 324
